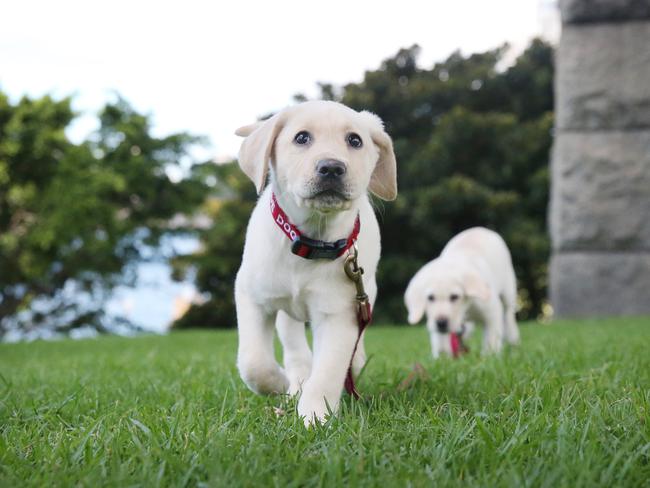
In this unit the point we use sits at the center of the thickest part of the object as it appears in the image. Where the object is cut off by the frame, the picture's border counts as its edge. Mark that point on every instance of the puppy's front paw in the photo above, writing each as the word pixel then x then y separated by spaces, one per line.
pixel 297 376
pixel 312 410
pixel 296 380
pixel 492 346
pixel 513 337
pixel 294 386
pixel 263 379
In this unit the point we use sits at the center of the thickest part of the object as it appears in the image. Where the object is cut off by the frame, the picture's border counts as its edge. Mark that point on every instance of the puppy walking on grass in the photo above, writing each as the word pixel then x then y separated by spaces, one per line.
pixel 472 279
pixel 323 158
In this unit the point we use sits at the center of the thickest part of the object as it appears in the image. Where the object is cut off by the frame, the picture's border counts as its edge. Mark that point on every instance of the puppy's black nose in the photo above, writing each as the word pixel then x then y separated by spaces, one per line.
pixel 443 325
pixel 330 168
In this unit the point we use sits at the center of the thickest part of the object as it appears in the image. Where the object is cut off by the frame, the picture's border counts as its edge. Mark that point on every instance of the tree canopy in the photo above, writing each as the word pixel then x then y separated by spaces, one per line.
pixel 471 139
pixel 472 144
pixel 75 218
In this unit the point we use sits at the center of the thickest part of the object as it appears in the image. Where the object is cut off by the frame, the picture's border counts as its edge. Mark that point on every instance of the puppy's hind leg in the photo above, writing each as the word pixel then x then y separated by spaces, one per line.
pixel 295 349
pixel 255 356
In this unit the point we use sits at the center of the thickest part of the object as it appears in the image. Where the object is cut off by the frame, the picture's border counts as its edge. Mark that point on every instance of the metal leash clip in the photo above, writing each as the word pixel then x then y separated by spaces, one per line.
pixel 355 273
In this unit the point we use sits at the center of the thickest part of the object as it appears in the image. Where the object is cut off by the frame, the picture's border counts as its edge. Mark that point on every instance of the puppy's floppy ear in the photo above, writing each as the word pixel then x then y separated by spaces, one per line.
pixel 414 297
pixel 256 150
pixel 247 130
pixel 383 181
pixel 475 286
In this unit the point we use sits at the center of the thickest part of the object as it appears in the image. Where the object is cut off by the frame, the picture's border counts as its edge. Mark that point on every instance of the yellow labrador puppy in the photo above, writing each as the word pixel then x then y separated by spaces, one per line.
pixel 322 158
pixel 472 279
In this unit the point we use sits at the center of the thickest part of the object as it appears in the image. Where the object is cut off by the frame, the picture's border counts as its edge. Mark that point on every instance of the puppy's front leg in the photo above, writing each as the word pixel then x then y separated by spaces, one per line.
pixel 493 337
pixel 440 343
pixel 434 337
pixel 255 356
pixel 334 339
pixel 444 344
pixel 295 349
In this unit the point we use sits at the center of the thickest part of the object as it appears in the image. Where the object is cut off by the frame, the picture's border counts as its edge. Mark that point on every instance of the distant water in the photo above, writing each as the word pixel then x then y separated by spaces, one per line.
pixel 150 303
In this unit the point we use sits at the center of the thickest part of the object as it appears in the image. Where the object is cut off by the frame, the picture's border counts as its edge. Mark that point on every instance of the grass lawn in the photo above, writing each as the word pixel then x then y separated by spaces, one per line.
pixel 570 407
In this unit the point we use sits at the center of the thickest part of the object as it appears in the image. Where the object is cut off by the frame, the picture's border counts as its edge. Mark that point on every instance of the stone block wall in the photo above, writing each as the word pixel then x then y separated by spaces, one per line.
pixel 600 192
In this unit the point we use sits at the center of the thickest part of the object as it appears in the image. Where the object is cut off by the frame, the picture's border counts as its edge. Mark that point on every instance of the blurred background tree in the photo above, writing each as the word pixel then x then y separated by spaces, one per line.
pixel 472 143
pixel 215 264
pixel 76 218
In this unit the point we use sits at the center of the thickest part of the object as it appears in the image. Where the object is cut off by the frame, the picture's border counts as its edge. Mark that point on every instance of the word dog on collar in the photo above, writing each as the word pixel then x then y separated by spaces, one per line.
pixel 311 248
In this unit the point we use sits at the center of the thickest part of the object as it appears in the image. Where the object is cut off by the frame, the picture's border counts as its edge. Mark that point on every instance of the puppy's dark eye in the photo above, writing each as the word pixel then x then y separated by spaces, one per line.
pixel 431 298
pixel 454 297
pixel 354 140
pixel 301 138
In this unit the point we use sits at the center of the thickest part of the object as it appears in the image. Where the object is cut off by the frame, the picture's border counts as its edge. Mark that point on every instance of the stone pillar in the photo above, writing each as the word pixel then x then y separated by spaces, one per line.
pixel 600 171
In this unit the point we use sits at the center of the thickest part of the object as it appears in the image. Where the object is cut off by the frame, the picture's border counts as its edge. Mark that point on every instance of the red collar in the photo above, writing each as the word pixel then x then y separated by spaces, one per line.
pixel 311 248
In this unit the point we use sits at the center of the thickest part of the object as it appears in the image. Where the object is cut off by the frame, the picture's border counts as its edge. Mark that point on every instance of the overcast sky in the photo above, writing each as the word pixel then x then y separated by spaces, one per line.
pixel 208 67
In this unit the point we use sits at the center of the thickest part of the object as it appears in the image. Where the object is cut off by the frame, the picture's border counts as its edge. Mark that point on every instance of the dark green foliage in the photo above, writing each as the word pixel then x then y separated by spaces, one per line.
pixel 82 214
pixel 472 145
pixel 217 262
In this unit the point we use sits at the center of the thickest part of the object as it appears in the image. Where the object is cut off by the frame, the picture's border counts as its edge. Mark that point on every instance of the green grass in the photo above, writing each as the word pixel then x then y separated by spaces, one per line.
pixel 570 407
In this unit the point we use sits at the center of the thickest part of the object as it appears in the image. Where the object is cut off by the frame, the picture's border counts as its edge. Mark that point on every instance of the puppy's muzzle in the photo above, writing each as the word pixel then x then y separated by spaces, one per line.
pixel 443 325
pixel 330 179
pixel 330 169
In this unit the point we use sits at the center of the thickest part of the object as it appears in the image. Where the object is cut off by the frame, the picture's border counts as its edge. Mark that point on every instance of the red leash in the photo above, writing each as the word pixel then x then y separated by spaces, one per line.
pixel 364 311
pixel 363 323
pixel 458 347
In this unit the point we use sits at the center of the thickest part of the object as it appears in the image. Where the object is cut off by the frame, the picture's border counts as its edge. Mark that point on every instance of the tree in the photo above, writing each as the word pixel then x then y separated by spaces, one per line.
pixel 76 218
pixel 472 145
pixel 216 263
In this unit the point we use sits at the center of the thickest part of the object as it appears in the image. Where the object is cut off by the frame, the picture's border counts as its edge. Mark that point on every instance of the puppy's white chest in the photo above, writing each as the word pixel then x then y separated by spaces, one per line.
pixel 292 301
pixel 302 290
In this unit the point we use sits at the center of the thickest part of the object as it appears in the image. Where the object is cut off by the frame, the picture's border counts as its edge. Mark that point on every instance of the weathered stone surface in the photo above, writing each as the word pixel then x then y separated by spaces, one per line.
pixel 596 284
pixel 581 11
pixel 600 194
pixel 603 77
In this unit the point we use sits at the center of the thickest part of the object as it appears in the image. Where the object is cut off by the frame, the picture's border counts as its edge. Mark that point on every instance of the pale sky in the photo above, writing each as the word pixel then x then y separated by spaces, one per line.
pixel 208 67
